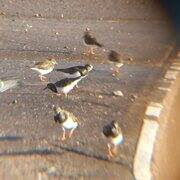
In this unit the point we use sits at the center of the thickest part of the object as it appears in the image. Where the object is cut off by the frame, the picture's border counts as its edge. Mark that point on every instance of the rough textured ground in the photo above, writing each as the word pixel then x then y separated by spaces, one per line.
pixel 30 144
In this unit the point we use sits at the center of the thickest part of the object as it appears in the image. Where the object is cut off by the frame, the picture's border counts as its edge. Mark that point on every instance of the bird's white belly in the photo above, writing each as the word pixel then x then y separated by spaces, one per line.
pixel 68 88
pixel 117 140
pixel 70 124
pixel 43 71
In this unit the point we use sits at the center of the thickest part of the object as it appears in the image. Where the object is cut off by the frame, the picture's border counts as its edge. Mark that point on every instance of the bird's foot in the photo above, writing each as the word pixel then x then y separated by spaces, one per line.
pixel 91 51
pixel 63 138
pixel 58 94
pixel 110 154
pixel 66 95
pixel 115 74
pixel 42 78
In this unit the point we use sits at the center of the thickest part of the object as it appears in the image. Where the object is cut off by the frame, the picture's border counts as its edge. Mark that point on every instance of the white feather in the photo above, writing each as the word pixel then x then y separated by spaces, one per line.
pixel 69 87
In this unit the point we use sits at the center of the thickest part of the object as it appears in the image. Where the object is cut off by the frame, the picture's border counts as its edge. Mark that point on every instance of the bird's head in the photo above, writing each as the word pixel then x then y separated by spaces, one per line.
pixel 115 124
pixel 56 109
pixel 53 61
pixel 89 67
pixel 83 73
pixel 52 87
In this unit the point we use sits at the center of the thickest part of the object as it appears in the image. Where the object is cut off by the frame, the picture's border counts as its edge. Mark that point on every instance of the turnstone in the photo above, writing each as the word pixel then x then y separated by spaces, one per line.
pixel 113 132
pixel 8 83
pixel 44 67
pixel 64 85
pixel 66 119
pixel 90 41
pixel 76 71
pixel 116 60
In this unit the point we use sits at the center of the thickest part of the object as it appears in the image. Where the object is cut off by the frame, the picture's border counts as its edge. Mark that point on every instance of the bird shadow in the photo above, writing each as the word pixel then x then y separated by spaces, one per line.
pixel 10 138
pixel 63 51
pixel 89 154
pixel 32 152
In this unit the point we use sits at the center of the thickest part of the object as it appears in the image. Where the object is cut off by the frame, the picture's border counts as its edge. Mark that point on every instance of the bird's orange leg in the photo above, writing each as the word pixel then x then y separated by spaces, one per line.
pixel 71 132
pixel 92 51
pixel 110 154
pixel 64 135
pixel 42 78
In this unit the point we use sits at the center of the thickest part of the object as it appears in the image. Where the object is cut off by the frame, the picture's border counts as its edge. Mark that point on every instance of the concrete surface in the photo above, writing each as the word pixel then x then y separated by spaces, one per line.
pixel 27 134
pixel 168 147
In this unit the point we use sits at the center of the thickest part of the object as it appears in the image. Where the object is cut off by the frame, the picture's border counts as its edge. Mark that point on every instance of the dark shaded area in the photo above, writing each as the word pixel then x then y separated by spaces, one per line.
pixel 32 152
pixel 173 9
pixel 10 138
pixel 83 153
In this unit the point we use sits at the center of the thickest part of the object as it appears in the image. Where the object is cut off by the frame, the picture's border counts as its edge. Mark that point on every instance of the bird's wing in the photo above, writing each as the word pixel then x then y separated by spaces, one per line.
pixel 65 82
pixel 114 56
pixel 73 117
pixel 8 84
pixel 91 40
pixel 71 70
pixel 43 65
pixel 114 132
pixel 64 115
pixel 62 82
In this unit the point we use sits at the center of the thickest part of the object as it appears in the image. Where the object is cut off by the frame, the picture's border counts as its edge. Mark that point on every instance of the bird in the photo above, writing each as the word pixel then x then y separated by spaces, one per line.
pixel 66 119
pixel 76 71
pixel 116 60
pixel 113 133
pixel 90 41
pixel 8 83
pixel 44 67
pixel 64 85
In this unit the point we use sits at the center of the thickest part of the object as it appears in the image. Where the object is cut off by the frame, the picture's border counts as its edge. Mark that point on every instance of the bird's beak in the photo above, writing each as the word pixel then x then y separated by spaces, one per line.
pixel 45 88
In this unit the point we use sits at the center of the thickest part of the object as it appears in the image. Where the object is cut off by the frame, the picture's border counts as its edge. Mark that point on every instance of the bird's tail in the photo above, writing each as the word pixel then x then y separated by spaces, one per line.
pixel 33 68
pixel 99 45
pixel 61 70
